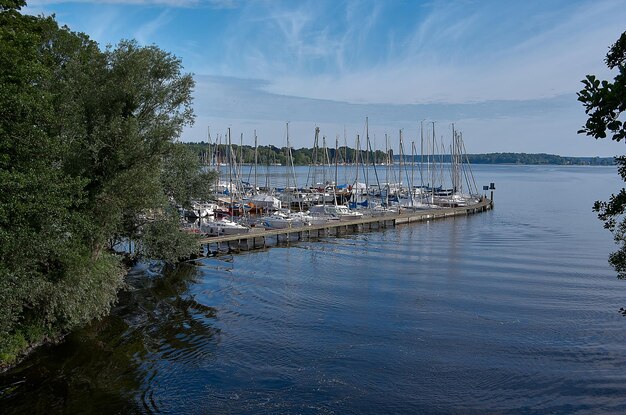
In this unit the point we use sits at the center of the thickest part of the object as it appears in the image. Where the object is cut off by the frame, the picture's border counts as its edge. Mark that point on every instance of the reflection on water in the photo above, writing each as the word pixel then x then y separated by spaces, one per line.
pixel 110 366
pixel 512 310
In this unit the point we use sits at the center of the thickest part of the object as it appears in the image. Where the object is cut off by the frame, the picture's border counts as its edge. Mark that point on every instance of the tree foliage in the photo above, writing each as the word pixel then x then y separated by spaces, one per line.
pixel 86 158
pixel 182 178
pixel 605 104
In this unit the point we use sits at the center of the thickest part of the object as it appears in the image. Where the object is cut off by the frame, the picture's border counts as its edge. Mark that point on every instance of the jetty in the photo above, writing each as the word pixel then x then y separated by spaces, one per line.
pixel 259 238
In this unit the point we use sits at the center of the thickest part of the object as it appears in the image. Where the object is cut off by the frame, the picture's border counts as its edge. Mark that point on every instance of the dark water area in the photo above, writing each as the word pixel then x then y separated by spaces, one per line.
pixel 515 310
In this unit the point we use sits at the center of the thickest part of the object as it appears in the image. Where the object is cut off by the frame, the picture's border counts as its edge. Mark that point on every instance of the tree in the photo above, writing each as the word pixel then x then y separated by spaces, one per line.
pixel 182 178
pixel 605 104
pixel 40 227
pixel 86 149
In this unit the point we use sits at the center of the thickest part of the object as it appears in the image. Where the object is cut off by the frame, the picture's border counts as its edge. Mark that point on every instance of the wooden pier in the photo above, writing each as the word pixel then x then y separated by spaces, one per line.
pixel 259 238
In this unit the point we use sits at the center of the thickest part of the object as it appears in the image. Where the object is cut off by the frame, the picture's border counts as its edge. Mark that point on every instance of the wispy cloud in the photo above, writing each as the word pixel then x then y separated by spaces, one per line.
pixel 145 33
pixel 433 63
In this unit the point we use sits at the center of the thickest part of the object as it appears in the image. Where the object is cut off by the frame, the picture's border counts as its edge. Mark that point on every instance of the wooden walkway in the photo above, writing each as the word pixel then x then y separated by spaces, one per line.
pixel 259 238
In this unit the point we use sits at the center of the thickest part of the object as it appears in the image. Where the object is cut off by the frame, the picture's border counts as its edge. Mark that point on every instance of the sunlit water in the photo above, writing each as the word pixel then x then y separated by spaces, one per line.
pixel 510 311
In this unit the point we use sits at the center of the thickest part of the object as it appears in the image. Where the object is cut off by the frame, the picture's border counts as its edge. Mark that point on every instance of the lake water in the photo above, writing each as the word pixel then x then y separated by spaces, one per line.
pixel 515 310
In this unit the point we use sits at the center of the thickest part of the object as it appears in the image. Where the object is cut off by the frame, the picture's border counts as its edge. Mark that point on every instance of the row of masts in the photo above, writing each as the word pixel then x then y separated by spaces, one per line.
pixel 430 166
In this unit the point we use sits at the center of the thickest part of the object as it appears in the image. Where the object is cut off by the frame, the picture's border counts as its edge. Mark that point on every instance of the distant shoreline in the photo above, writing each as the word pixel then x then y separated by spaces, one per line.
pixel 538 159
pixel 523 159
pixel 272 155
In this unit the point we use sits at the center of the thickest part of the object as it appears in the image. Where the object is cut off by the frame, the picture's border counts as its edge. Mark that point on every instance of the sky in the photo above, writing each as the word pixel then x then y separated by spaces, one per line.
pixel 504 72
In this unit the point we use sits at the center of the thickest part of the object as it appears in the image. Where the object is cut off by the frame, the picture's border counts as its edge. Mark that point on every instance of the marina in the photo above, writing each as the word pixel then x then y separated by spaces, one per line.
pixel 258 238
pixel 338 191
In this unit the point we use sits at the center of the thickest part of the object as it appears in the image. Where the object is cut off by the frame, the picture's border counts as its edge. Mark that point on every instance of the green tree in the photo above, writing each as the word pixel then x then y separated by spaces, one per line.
pixel 605 103
pixel 86 158
pixel 125 113
pixel 40 227
pixel 182 177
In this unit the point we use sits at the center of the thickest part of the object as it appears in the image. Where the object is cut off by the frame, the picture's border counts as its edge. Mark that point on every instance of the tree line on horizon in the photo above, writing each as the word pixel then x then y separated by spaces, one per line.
pixel 270 155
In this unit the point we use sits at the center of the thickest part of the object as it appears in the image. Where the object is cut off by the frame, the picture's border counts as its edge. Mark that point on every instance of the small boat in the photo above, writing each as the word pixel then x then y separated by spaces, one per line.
pixel 265 201
pixel 281 220
pixel 340 212
pixel 204 209
pixel 456 200
pixel 223 227
pixel 318 220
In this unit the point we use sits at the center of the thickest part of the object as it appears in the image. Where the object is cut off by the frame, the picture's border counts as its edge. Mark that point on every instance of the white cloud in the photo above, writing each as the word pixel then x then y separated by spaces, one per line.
pixel 550 63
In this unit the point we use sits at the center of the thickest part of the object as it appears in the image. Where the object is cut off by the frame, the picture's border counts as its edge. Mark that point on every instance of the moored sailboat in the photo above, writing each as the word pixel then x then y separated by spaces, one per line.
pixel 223 227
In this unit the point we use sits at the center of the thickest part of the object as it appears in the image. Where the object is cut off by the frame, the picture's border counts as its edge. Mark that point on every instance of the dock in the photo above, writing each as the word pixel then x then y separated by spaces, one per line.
pixel 259 238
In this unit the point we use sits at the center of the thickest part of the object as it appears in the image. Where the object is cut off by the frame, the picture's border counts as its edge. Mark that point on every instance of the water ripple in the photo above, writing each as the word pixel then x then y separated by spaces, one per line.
pixel 510 311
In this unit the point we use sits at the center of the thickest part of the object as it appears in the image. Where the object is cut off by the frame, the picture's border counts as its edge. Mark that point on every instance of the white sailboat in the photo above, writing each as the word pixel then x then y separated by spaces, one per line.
pixel 223 227
pixel 284 220
pixel 340 212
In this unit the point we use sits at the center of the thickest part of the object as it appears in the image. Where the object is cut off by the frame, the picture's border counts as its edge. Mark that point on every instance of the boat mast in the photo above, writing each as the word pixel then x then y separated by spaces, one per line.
pixel 208 151
pixel 336 166
pixel 367 141
pixel 454 162
pixel 293 170
pixel 209 160
pixel 345 152
pixel 325 161
pixel 412 188
pixel 240 164
pixel 387 161
pixel 401 152
pixel 369 146
pixel 256 161
pixel 421 158
pixel 432 184
pixel 230 174
pixel 287 190
pixel 356 159
pixel 312 174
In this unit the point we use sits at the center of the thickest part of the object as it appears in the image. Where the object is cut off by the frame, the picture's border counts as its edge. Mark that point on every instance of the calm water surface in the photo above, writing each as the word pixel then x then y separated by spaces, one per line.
pixel 509 311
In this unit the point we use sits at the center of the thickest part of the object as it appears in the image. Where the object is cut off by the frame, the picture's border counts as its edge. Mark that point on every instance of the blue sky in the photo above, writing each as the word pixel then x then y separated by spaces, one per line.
pixel 505 72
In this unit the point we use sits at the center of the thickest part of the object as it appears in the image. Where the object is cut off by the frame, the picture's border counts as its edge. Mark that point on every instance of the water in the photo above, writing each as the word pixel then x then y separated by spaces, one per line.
pixel 510 311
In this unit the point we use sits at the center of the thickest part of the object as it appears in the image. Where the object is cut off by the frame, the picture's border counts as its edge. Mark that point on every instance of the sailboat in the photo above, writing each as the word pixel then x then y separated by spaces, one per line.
pixel 223 226
pixel 283 220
